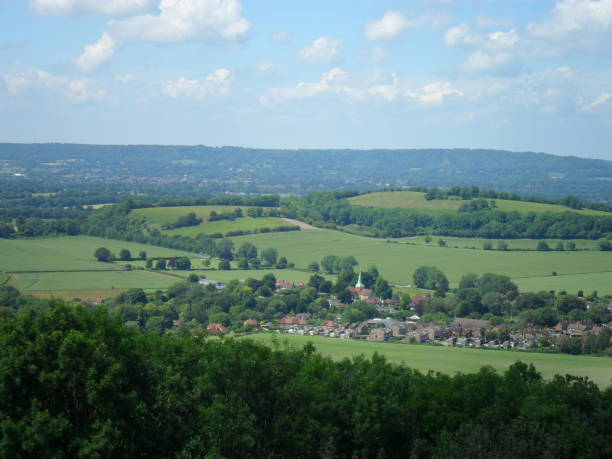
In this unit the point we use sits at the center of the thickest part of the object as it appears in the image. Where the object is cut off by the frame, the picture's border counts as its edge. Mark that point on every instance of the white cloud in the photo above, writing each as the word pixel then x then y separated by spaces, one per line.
pixel 389 27
pixel 78 90
pixel 573 24
pixel 32 79
pixel 485 21
pixel 502 40
pixel 482 62
pixel 107 7
pixel 602 101
pixel 436 93
pixel 96 54
pixel 186 20
pixel 389 92
pixel 332 82
pixel 461 35
pixel 217 84
pixel 323 49
pixel 81 91
pixel 265 68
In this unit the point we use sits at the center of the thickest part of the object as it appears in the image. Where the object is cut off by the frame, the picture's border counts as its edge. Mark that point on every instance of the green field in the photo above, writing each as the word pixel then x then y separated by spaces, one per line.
pixel 416 200
pixel 164 215
pixel 91 280
pixel 291 275
pixel 69 252
pixel 158 216
pixel 397 261
pixel 454 359
pixel 513 244
pixel 225 226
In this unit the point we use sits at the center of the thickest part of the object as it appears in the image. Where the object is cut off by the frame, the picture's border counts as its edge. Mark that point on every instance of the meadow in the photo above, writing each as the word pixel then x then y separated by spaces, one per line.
pixel 416 200
pixel 291 275
pixel 450 360
pixel 513 244
pixel 397 261
pixel 70 253
pixel 105 280
pixel 159 216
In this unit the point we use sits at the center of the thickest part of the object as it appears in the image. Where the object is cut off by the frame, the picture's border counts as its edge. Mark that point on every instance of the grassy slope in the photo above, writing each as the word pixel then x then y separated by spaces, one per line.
pixel 415 200
pixel 164 215
pixel 397 262
pixel 225 226
pixel 453 360
pixel 290 275
pixel 68 252
pixel 524 244
pixel 92 280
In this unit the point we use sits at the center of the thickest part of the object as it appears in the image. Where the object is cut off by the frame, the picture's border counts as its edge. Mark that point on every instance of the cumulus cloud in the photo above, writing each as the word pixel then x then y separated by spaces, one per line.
pixel 436 93
pixel 502 40
pixel 572 25
pixel 265 68
pixel 107 7
pixel 461 35
pixel 323 49
pixel 604 100
pixel 185 20
pixel 332 82
pixel 217 84
pixel 481 62
pixel 96 54
pixel 78 90
pixel 389 27
pixel 281 37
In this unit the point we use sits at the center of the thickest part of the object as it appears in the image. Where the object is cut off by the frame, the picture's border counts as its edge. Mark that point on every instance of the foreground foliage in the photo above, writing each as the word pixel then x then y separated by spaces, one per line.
pixel 78 383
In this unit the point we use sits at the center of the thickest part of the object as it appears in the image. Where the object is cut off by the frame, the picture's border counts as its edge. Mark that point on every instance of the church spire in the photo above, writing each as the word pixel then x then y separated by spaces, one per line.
pixel 359 284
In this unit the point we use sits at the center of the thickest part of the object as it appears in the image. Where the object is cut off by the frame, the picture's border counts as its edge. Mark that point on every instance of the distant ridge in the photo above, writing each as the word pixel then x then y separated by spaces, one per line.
pixel 241 169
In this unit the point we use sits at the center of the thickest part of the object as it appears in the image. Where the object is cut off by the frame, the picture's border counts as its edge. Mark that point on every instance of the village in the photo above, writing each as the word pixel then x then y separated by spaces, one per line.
pixel 462 332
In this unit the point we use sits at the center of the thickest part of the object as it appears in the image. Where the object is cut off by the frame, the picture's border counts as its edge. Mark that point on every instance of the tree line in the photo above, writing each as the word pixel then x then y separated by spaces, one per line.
pixel 77 382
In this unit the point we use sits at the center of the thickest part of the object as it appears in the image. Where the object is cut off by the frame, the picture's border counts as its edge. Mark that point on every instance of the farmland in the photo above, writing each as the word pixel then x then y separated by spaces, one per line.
pixel 69 253
pixel 452 360
pixel 416 200
pixel 158 216
pixel 397 261
pixel 513 244
pixel 291 275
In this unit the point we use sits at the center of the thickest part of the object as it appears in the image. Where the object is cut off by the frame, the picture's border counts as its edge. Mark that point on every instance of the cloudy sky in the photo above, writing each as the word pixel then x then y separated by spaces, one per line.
pixel 525 75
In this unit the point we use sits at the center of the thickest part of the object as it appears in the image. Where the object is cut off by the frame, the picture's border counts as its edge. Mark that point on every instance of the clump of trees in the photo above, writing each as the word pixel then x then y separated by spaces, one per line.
pixel 191 219
pixel 430 278
pixel 100 389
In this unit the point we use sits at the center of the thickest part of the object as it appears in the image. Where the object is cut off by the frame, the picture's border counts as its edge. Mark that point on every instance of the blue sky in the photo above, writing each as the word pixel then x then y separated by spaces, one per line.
pixel 523 75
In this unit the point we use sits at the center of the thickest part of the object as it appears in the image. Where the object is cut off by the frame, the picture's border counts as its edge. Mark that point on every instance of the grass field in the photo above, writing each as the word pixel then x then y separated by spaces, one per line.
pixel 397 261
pixel 158 216
pixel 416 200
pixel 69 295
pixel 91 280
pixel 453 360
pixel 69 252
pixel 291 275
pixel 164 215
pixel 516 244
pixel 225 226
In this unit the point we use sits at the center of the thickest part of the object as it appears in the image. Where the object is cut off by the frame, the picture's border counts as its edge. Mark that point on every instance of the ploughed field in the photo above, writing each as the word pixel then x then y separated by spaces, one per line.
pixel 450 360
pixel 160 216
pixel 397 261
pixel 416 200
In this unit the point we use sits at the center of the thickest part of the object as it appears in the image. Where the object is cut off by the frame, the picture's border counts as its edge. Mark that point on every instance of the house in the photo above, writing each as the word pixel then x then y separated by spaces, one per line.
pixel 217 284
pixel 330 323
pixel 469 327
pixel 98 300
pixel 290 321
pixel 216 329
pixel 379 334
pixel 250 323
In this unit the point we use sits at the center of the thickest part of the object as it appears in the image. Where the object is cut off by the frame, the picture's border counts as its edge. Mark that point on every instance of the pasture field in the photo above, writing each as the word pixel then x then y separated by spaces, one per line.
pixel 225 226
pixel 450 360
pixel 69 295
pixel 291 275
pixel 516 244
pixel 602 282
pixel 416 200
pixel 397 262
pixel 89 281
pixel 69 252
pixel 164 215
